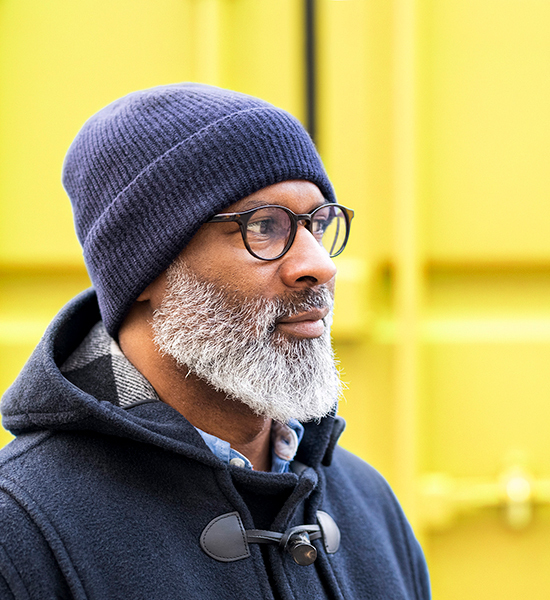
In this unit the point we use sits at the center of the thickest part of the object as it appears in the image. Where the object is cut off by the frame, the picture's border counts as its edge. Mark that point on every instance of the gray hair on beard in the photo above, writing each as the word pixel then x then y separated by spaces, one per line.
pixel 231 342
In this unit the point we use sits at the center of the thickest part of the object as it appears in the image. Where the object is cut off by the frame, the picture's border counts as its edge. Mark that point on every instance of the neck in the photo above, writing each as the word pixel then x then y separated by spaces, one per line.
pixel 203 406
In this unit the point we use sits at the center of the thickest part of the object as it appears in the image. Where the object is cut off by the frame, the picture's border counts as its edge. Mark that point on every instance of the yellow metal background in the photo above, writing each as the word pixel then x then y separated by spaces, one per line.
pixel 434 125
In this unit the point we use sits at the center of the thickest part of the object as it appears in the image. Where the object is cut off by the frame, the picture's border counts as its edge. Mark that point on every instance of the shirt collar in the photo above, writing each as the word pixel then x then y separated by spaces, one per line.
pixel 285 439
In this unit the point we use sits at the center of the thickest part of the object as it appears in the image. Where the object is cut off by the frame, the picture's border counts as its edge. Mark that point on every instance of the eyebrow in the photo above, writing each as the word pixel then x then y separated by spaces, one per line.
pixel 251 204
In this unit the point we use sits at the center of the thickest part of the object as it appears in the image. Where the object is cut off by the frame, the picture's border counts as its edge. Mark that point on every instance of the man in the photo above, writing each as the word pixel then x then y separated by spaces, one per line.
pixel 176 429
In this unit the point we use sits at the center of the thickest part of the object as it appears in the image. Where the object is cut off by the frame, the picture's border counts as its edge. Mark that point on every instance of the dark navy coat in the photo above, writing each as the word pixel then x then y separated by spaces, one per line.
pixel 101 502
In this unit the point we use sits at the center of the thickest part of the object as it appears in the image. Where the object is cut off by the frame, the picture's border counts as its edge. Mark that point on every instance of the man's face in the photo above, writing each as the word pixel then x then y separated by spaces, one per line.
pixel 217 252
pixel 256 330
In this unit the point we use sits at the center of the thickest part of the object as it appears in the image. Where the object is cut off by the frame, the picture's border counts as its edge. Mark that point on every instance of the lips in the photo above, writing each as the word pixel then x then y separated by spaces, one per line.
pixel 308 324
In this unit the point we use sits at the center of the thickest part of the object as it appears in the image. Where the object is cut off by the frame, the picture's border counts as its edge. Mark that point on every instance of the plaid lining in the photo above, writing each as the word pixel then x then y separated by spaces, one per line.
pixel 99 368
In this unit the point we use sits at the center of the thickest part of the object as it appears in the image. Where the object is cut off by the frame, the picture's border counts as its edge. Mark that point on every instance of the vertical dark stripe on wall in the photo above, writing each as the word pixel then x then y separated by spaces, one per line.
pixel 310 68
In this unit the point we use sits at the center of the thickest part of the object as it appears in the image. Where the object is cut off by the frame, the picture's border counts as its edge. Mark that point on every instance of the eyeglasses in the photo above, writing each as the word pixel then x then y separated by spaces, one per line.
pixel 269 231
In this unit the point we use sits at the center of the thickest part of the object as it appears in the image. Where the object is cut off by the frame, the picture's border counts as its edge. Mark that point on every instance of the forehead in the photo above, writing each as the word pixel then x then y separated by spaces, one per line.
pixel 297 195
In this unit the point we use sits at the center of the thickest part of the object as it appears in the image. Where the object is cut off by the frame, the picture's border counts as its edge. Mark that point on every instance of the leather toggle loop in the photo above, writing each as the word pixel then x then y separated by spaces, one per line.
pixel 225 538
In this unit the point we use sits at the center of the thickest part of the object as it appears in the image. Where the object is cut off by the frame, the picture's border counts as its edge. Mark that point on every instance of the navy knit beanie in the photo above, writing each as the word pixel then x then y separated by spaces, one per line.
pixel 145 172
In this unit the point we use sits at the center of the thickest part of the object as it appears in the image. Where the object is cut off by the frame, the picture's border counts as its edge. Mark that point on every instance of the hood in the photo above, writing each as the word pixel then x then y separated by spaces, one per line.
pixel 42 399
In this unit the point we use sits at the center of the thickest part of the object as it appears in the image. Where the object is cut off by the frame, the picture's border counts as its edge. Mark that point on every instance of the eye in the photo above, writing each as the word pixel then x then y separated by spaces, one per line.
pixel 320 225
pixel 322 221
pixel 270 222
pixel 261 226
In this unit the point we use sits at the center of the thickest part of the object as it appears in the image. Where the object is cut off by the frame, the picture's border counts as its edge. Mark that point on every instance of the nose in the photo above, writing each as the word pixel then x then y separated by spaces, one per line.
pixel 307 263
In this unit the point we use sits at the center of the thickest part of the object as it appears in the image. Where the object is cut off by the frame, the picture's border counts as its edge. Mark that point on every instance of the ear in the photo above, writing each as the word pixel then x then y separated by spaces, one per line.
pixel 154 291
pixel 145 295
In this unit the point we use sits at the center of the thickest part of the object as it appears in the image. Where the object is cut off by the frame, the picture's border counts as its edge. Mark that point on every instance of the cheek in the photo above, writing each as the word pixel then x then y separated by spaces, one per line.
pixel 223 260
pixel 242 273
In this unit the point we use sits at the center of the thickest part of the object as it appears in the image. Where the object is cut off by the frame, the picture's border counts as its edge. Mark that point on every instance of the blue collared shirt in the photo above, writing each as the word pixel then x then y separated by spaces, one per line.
pixel 285 440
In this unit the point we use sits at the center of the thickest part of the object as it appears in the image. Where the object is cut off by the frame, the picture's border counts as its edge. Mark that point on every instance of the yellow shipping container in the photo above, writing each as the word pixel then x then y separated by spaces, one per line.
pixel 433 121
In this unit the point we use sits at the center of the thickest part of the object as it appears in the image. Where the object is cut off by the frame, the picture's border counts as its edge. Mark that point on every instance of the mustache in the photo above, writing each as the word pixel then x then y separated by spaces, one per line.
pixel 294 303
pixel 227 303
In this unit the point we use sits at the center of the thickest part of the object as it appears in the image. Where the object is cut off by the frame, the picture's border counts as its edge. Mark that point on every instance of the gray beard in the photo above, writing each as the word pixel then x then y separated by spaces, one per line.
pixel 231 342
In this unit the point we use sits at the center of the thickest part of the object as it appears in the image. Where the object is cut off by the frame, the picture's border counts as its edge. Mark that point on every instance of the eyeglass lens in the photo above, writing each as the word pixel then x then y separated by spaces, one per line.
pixel 268 230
